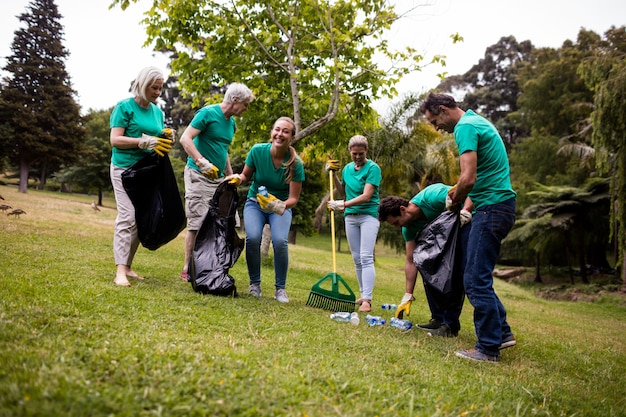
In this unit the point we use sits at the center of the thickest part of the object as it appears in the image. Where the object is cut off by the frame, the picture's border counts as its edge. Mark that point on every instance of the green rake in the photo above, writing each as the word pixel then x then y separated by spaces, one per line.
pixel 327 292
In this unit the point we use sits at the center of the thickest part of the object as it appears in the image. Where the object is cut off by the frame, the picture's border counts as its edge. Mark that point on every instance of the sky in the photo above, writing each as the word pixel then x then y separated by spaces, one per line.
pixel 106 46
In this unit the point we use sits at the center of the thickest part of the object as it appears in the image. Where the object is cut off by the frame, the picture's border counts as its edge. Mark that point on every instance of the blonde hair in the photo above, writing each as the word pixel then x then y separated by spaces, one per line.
pixel 145 79
pixel 290 165
pixel 357 140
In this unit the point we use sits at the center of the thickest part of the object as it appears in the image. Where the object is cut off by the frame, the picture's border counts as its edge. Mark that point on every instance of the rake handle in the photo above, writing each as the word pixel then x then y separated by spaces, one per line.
pixel 332 224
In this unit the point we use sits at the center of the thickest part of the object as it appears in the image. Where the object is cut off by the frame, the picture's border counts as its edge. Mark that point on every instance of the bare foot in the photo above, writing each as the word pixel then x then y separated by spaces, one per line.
pixel 132 274
pixel 121 280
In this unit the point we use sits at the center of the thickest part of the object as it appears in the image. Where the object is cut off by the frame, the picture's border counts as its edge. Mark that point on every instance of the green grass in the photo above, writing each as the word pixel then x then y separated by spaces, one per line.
pixel 73 344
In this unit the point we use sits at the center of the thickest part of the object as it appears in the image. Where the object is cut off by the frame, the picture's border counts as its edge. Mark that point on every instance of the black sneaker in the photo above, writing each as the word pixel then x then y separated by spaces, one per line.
pixel 507 342
pixel 433 324
pixel 442 331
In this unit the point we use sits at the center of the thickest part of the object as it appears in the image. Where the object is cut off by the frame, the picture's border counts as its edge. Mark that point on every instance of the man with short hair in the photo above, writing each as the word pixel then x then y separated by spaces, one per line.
pixel 485 178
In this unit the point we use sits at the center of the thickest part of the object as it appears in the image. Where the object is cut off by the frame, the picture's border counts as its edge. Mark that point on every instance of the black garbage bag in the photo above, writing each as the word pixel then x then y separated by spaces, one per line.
pixel 438 257
pixel 159 212
pixel 217 246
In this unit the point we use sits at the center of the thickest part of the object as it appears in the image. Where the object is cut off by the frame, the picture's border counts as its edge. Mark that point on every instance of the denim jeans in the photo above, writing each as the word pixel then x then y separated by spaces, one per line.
pixel 490 224
pixel 254 221
pixel 450 315
pixel 361 232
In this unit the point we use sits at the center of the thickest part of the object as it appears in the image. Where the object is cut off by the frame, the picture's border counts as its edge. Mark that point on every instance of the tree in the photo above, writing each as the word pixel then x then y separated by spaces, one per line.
pixel 38 97
pixel 309 59
pixel 91 171
pixel 605 73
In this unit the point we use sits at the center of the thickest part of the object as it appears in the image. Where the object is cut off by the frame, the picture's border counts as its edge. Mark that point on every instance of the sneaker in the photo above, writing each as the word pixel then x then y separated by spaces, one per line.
pixel 433 324
pixel 255 290
pixel 281 295
pixel 477 356
pixel 442 331
pixel 507 342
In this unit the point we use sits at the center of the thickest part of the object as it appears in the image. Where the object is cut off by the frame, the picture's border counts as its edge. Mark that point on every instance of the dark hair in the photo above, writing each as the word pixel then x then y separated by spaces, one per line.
pixel 390 206
pixel 434 100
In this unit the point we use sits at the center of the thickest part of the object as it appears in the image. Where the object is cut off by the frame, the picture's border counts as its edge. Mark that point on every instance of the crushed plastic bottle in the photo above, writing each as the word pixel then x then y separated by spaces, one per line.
pixel 400 323
pixel 344 316
pixel 374 320
pixel 263 191
pixel 390 307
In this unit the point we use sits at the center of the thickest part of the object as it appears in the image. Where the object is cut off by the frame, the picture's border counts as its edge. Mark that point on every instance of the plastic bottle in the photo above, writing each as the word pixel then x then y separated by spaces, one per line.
pixel 374 320
pixel 390 307
pixel 262 190
pixel 344 316
pixel 400 323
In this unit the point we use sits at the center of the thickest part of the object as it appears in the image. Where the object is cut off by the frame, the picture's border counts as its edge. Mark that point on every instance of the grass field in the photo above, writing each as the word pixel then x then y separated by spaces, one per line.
pixel 73 344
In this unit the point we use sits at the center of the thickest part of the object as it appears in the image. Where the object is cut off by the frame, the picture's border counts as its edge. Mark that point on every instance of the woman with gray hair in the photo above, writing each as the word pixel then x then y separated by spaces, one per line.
pixel 207 140
pixel 136 130
pixel 360 181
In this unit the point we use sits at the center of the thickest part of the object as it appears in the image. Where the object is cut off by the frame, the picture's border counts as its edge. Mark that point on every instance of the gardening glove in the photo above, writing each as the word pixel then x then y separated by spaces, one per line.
pixel 271 204
pixel 405 306
pixel 332 165
pixel 233 179
pixel 160 145
pixel 451 205
pixel 336 205
pixel 168 133
pixel 465 216
pixel 207 168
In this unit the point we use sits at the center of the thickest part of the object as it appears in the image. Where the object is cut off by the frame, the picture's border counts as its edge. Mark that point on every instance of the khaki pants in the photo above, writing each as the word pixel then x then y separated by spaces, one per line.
pixel 125 237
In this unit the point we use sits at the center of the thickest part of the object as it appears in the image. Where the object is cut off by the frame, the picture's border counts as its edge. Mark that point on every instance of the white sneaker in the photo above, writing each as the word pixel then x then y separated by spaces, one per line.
pixel 255 290
pixel 281 295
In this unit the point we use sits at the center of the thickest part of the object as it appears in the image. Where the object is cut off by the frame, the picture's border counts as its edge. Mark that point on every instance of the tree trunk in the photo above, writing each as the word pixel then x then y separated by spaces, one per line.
pixel 580 231
pixel 42 178
pixel 100 196
pixel 23 187
pixel 538 270
pixel 293 233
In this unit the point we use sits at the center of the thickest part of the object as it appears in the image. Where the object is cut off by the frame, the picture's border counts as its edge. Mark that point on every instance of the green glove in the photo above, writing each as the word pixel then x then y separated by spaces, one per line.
pixel 271 204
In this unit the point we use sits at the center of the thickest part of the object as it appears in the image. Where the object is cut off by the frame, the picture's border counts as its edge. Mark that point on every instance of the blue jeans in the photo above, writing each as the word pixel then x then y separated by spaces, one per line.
pixel 490 224
pixel 254 221
pixel 450 315
pixel 361 232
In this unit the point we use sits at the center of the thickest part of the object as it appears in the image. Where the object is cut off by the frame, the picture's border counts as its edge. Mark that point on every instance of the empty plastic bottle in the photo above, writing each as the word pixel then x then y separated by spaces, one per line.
pixel 374 320
pixel 390 307
pixel 262 190
pixel 344 316
pixel 400 323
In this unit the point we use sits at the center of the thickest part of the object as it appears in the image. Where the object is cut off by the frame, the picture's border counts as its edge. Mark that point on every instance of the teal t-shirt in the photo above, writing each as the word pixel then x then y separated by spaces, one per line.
pixel 493 180
pixel 135 120
pixel 216 135
pixel 260 160
pixel 432 201
pixel 354 181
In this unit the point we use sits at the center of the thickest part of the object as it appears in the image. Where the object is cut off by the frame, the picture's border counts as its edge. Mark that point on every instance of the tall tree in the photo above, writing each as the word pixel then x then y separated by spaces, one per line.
pixel 309 59
pixel 39 99
pixel 605 73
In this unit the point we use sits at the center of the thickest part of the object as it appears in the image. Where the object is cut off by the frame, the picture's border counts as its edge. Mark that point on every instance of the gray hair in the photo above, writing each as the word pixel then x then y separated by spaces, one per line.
pixel 238 91
pixel 145 79
pixel 357 140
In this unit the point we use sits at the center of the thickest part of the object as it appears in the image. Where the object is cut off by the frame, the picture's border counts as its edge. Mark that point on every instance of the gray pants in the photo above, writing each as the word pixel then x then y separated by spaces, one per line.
pixel 125 237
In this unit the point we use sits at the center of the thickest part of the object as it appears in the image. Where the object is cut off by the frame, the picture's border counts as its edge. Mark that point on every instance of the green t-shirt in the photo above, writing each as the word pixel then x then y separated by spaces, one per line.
pixel 216 135
pixel 260 160
pixel 432 201
pixel 354 183
pixel 493 180
pixel 135 120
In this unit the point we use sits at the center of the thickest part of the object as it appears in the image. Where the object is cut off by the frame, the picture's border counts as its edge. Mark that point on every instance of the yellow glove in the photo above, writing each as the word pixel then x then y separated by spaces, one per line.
pixel 271 204
pixel 405 306
pixel 451 205
pixel 207 168
pixel 168 133
pixel 233 179
pixel 332 165
pixel 160 145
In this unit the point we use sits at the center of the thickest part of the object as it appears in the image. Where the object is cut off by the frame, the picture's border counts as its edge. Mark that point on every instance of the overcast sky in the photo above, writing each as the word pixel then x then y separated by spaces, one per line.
pixel 106 49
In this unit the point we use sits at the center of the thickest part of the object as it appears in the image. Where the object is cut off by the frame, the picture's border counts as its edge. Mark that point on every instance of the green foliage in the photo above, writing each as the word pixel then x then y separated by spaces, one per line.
pixel 37 95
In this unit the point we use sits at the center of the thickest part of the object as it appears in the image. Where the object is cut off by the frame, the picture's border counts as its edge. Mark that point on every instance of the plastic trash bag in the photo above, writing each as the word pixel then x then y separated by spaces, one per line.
pixel 217 246
pixel 159 212
pixel 438 257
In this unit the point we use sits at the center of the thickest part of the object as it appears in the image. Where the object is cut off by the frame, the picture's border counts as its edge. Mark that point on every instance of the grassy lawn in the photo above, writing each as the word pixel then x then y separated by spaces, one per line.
pixel 73 344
